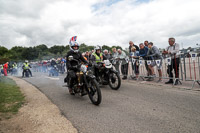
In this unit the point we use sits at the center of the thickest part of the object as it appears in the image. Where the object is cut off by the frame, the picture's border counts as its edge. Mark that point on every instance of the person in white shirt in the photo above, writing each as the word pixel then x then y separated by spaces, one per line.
pixel 172 51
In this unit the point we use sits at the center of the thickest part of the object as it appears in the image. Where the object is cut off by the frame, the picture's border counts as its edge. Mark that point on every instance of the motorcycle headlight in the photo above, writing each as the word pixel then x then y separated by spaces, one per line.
pixel 83 68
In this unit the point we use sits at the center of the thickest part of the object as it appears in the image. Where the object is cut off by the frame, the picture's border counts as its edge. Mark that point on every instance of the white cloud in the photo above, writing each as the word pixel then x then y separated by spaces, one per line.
pixel 30 22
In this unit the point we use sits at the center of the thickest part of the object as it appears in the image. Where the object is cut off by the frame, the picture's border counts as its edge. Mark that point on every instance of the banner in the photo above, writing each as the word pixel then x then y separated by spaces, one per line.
pixel 141 62
pixel 127 59
pixel 148 62
pixel 133 61
pixel 168 60
pixel 193 56
pixel 158 62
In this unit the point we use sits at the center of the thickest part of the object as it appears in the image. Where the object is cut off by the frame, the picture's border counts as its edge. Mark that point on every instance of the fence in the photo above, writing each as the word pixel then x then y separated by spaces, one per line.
pixel 188 68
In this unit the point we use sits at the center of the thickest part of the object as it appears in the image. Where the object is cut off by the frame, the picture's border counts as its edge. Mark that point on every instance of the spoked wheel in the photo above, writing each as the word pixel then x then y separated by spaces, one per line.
pixel 114 81
pixel 94 93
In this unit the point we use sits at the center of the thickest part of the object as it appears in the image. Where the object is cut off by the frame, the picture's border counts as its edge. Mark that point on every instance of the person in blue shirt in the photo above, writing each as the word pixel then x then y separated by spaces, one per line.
pixel 143 53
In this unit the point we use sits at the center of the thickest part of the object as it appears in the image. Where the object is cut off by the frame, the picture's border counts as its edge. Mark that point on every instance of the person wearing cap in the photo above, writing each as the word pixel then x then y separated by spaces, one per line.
pixel 154 54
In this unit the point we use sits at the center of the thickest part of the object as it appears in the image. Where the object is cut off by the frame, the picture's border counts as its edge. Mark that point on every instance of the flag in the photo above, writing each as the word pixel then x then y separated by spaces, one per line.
pixel 148 62
pixel 141 62
pixel 133 61
pixel 168 60
pixel 193 55
pixel 158 62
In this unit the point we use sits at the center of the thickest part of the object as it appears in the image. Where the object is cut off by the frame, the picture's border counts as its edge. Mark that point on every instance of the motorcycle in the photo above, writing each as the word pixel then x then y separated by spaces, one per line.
pixel 26 72
pixel 86 82
pixel 53 71
pixel 107 75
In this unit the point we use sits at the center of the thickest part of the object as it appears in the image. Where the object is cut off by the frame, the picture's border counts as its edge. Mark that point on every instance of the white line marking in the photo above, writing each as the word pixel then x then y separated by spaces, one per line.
pixel 52 78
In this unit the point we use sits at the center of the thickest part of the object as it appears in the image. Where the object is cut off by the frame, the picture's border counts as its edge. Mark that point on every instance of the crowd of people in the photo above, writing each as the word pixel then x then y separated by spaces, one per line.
pixel 146 51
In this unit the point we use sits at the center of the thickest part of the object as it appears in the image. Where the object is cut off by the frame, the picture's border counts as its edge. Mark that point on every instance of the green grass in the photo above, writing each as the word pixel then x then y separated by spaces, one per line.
pixel 11 98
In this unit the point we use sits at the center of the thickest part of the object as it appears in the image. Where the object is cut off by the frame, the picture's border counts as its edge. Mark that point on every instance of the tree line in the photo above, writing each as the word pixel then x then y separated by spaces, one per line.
pixel 40 52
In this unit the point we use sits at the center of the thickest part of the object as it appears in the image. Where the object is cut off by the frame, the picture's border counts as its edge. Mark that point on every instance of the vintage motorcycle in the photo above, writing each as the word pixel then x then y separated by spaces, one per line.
pixel 85 82
pixel 106 75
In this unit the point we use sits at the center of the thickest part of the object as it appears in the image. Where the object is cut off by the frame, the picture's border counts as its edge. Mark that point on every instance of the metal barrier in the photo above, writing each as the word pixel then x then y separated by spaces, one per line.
pixel 189 69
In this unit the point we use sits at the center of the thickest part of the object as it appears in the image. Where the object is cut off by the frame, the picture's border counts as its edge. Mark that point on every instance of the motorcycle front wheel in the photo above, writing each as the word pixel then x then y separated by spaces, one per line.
pixel 114 81
pixel 94 92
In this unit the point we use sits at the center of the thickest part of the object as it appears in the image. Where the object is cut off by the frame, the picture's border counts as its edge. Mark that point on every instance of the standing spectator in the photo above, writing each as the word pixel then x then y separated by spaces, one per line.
pixel 154 54
pixel 134 54
pixel 146 43
pixel 115 56
pixel 87 55
pixel 105 53
pixel 131 44
pixel 172 51
pixel 143 53
pixel 124 64
pixel 5 68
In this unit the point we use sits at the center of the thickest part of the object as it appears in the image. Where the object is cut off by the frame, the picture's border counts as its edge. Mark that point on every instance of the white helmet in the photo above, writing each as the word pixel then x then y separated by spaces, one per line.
pixel 73 43
pixel 26 61
pixel 97 48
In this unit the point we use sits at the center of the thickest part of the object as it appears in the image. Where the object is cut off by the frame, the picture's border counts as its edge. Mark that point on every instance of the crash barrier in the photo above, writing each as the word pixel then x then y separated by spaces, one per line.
pixel 187 70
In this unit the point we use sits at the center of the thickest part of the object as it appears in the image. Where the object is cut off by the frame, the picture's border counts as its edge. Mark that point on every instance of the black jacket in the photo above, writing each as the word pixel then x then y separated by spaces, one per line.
pixel 137 48
pixel 76 55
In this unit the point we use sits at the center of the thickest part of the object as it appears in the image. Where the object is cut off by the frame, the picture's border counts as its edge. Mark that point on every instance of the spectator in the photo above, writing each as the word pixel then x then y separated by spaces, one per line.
pixel 131 44
pixel 5 68
pixel 146 43
pixel 124 64
pixel 115 56
pixel 105 53
pixel 154 54
pixel 134 54
pixel 172 51
pixel 87 55
pixel 83 54
pixel 143 53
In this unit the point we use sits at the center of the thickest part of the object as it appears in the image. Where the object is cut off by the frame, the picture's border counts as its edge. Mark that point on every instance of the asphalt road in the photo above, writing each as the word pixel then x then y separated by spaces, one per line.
pixel 135 107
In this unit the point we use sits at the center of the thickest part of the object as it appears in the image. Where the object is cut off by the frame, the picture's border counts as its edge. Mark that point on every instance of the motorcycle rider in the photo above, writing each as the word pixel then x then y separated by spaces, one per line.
pixel 72 66
pixel 96 57
pixel 26 66
pixel 14 66
pixel 53 66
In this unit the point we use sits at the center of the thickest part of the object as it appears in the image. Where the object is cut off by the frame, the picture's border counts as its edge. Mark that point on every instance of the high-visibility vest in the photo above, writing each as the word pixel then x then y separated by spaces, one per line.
pixel 98 59
pixel 26 66
pixel 15 66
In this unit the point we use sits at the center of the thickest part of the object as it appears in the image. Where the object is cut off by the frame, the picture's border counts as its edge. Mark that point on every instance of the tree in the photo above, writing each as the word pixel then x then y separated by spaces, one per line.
pixel 57 49
pixel 3 50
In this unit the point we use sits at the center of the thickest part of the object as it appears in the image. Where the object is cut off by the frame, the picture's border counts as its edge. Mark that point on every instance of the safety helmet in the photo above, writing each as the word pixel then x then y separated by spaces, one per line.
pixel 73 44
pixel 26 61
pixel 97 48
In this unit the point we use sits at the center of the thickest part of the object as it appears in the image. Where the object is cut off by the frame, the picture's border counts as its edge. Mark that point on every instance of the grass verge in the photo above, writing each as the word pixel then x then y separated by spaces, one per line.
pixel 11 98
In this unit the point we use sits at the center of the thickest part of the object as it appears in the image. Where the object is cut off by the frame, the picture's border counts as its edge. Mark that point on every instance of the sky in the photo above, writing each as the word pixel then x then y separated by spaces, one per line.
pixel 99 22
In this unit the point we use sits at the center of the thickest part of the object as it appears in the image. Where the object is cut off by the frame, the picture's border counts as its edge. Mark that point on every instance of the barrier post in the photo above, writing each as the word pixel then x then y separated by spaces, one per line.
pixel 195 80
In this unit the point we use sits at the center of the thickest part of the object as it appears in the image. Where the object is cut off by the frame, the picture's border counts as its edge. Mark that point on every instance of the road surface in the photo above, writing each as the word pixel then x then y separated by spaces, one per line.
pixel 135 107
